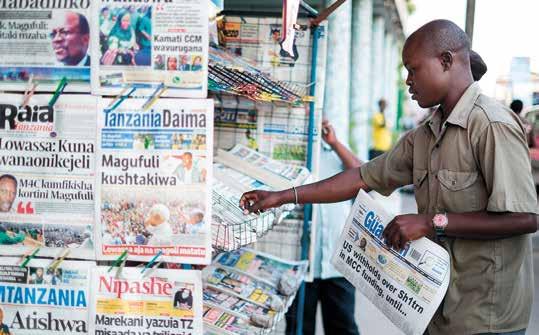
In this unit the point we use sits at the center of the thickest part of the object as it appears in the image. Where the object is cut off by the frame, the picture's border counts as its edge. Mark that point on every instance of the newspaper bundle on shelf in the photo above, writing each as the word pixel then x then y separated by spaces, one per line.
pixel 150 43
pixel 154 172
pixel 39 299
pixel 45 41
pixel 165 302
pixel 407 286
pixel 248 292
pixel 240 170
pixel 47 171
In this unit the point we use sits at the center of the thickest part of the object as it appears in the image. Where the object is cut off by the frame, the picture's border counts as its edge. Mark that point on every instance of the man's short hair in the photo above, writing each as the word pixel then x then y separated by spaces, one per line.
pixel 84 27
pixel 11 177
pixel 443 35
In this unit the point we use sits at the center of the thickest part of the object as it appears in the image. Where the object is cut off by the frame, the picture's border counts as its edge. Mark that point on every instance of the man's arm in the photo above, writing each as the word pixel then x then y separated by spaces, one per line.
pixel 348 158
pixel 473 225
pixel 343 186
pixel 384 174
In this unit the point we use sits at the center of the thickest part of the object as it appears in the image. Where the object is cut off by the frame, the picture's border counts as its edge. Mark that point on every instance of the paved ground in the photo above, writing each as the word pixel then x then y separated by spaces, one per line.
pixel 373 323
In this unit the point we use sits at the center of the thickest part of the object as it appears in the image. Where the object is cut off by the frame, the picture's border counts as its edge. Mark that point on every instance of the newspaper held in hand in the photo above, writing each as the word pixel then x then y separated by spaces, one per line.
pixel 137 304
pixel 407 286
pixel 39 299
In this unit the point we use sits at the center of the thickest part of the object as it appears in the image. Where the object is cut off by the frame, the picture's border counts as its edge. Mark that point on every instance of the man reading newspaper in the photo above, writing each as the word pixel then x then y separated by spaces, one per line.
pixel 462 162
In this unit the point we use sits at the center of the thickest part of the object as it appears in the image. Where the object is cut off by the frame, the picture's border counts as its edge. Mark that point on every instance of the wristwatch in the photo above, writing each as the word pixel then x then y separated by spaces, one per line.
pixel 439 222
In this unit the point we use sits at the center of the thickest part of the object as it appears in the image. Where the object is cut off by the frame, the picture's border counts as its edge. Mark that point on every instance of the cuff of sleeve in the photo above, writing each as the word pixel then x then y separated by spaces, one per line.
pixel 368 173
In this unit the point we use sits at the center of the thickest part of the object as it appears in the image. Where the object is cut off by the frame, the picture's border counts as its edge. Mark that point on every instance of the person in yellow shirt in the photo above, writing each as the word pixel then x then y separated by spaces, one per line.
pixel 381 136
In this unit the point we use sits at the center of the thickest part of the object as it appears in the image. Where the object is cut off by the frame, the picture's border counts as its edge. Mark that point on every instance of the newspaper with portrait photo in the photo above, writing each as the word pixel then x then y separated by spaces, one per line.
pixel 46 41
pixel 42 298
pixel 154 173
pixel 47 175
pixel 163 301
pixel 150 43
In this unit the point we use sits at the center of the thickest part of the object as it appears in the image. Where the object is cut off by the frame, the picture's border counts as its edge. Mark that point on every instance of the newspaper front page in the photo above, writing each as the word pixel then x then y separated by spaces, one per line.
pixel 47 175
pixel 164 302
pixel 150 43
pixel 263 266
pixel 406 286
pixel 38 299
pixel 218 322
pixel 154 179
pixel 46 40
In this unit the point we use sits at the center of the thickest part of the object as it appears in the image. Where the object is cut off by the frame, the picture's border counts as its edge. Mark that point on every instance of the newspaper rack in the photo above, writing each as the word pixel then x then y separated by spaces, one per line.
pixel 232 229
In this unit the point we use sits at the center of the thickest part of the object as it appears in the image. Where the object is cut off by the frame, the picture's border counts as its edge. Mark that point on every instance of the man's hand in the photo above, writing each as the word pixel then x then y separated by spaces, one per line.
pixel 259 201
pixel 405 228
pixel 328 133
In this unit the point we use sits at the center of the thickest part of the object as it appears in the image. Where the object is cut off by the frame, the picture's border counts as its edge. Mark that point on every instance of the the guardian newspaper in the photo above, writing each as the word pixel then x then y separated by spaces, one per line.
pixel 47 174
pixel 46 40
pixel 154 173
pixel 407 286
pixel 164 302
pixel 151 43
pixel 38 299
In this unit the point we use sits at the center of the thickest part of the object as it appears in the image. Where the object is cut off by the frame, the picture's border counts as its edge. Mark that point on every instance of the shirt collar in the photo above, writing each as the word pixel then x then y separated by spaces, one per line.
pixel 461 111
pixel 83 61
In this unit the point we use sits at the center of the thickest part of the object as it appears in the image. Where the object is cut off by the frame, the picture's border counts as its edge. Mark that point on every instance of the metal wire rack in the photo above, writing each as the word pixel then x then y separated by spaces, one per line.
pixel 232 229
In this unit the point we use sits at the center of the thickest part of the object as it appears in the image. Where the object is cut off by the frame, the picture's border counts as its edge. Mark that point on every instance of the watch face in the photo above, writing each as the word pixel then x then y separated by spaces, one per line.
pixel 439 220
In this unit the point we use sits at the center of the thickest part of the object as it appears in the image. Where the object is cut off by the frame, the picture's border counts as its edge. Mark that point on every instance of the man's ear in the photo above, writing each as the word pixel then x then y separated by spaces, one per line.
pixel 447 60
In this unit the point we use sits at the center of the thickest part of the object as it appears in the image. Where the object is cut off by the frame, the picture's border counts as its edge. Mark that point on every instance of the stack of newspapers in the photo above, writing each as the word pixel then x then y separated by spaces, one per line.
pixel 248 292
pixel 237 171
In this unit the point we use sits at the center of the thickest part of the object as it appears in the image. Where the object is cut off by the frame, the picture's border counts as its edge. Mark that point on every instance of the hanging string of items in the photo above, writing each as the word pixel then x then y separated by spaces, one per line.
pixel 230 73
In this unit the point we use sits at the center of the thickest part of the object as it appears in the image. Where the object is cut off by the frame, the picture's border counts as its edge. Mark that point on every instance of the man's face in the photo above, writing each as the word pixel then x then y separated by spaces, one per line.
pixel 8 192
pixel 69 45
pixel 154 220
pixel 187 160
pixel 426 77
pixel 39 272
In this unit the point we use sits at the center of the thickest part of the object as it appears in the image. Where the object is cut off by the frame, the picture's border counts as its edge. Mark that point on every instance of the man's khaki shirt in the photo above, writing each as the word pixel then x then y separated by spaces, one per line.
pixel 476 161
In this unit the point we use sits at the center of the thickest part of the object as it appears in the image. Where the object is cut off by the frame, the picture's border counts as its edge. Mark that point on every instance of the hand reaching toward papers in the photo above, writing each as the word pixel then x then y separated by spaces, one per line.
pixel 409 227
pixel 259 201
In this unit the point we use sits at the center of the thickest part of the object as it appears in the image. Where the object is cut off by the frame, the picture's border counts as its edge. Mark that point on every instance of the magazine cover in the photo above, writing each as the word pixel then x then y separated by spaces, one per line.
pixel 154 173
pixel 47 175
pixel 45 41
pixel 162 302
pixel 150 43
pixel 40 299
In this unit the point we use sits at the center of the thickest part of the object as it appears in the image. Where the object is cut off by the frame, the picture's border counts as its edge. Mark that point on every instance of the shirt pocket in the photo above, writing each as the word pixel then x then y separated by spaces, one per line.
pixel 421 189
pixel 459 190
